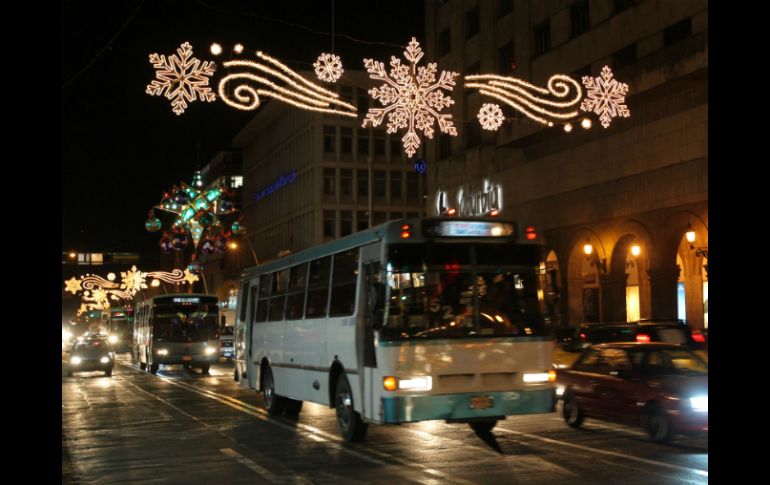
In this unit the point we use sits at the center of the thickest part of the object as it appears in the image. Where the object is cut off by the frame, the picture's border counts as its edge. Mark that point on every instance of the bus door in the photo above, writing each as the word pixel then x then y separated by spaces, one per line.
pixel 372 296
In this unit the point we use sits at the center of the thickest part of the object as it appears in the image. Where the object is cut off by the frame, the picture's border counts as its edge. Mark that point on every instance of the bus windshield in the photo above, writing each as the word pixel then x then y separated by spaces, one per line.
pixel 185 323
pixel 463 290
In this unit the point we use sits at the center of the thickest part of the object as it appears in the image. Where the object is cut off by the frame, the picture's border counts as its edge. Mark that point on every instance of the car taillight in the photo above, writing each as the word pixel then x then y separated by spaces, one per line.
pixel 698 337
pixel 642 337
pixel 583 336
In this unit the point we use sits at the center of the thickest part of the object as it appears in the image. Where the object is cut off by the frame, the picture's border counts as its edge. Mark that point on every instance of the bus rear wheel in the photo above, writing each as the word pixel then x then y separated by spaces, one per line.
pixel 293 407
pixel 352 427
pixel 205 369
pixel 273 403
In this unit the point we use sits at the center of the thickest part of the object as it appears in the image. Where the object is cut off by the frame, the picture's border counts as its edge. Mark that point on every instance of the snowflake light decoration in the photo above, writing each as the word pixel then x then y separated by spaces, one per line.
pixel 605 96
pixel 133 280
pixel 490 116
pixel 411 96
pixel 328 67
pixel 182 79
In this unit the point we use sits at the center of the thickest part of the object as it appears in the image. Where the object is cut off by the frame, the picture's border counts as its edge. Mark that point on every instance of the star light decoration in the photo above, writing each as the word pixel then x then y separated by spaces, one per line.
pixel 411 96
pixel 181 78
pixel 605 97
pixel 328 67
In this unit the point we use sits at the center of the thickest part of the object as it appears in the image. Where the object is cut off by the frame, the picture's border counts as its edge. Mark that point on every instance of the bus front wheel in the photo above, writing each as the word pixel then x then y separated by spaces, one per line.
pixel 205 369
pixel 352 427
pixel 273 403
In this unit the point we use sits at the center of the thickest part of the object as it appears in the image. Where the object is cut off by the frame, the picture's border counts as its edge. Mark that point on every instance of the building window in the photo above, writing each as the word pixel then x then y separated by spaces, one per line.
pixel 412 214
pixel 379 183
pixel 624 56
pixel 346 223
pixel 395 184
pixel 505 58
pixel 329 223
pixel 580 19
pixel 677 32
pixel 621 5
pixel 362 221
pixel 395 150
pixel 380 217
pixel 444 42
pixel 330 138
pixel 473 128
pixel 471 23
pixel 236 181
pixel 363 183
pixel 543 37
pixel 363 143
pixel 395 215
pixel 330 181
pixel 583 71
pixel 346 181
pixel 363 100
pixel 412 187
pixel 504 7
pixel 444 147
pixel 346 140
pixel 346 92
pixel 379 143
pixel 474 69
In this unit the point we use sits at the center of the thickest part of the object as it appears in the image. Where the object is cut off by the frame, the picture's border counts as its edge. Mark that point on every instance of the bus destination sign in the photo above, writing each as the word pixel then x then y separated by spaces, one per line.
pixel 472 229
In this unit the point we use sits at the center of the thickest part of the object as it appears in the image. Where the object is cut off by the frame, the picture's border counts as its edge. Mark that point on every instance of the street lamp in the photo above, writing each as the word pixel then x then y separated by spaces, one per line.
pixel 234 245
pixel 601 264
pixel 701 252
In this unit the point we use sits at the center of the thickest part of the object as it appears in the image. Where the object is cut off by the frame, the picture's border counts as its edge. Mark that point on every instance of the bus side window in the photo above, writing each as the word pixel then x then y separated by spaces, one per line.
pixel 344 277
pixel 375 294
pixel 318 288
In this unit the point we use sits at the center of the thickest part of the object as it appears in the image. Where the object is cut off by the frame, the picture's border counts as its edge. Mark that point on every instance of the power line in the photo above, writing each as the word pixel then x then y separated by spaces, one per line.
pixel 99 54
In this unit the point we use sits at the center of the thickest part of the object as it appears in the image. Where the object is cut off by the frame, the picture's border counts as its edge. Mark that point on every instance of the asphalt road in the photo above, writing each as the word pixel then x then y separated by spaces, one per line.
pixel 185 427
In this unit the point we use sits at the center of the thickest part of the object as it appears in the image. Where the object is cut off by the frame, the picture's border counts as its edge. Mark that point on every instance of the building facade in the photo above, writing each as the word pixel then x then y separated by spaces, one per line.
pixel 310 177
pixel 631 191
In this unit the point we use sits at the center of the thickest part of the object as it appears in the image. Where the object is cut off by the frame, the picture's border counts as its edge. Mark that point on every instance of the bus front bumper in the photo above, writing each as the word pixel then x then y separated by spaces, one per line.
pixel 471 406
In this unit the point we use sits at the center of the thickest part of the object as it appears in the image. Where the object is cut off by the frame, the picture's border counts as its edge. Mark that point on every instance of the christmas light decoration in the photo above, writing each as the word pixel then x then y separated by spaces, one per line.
pixel 181 79
pixel 328 67
pixel 282 84
pixel 605 97
pixel 412 97
pixel 216 49
pixel 73 285
pixel 490 116
pixel 133 280
pixel 564 95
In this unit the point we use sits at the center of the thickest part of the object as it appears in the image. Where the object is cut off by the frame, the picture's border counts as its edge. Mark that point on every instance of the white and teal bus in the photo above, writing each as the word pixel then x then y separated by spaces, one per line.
pixel 176 329
pixel 412 320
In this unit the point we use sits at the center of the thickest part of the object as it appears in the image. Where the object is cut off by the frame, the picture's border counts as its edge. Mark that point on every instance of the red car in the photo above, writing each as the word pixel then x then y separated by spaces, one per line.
pixel 663 387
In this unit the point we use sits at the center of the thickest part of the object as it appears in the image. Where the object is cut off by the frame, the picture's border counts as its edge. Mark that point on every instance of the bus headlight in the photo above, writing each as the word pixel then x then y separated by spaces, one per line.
pixel 104 360
pixel 700 404
pixel 162 352
pixel 210 350
pixel 535 377
pixel 113 339
pixel 75 360
pixel 423 383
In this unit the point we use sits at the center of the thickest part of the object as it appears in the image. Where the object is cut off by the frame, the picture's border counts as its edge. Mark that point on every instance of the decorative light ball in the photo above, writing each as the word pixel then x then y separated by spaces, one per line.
pixel 238 48
pixel 181 197
pixel 165 246
pixel 206 219
pixel 585 123
pixel 238 229
pixel 153 224
pixel 226 205
pixel 179 241
pixel 216 49
pixel 166 202
pixel 568 127
pixel 207 247
pixel 220 245
pixel 194 267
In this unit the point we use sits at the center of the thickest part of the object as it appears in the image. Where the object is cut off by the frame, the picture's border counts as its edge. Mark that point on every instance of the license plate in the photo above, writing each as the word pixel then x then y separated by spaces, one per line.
pixel 482 402
pixel 187 358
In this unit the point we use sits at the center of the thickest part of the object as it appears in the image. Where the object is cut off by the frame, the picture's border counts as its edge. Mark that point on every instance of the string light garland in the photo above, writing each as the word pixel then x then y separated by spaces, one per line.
pixel 328 67
pixel 181 79
pixel 411 96
pixel 605 97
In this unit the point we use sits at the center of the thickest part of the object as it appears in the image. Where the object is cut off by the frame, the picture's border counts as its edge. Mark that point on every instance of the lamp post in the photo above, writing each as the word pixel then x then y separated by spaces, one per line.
pixel 234 245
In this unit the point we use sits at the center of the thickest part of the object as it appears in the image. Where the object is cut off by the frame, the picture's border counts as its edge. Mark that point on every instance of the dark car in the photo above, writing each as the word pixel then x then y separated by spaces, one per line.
pixel 226 343
pixel 666 331
pixel 92 353
pixel 662 387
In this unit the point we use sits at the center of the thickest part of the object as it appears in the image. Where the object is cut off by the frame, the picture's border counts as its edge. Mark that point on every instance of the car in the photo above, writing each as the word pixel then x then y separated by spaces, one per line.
pixel 659 386
pixel 227 343
pixel 92 352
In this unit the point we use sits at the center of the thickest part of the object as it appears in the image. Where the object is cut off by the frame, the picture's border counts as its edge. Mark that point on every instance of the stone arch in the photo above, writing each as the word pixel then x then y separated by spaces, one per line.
pixel 582 277
pixel 627 282
pixel 553 289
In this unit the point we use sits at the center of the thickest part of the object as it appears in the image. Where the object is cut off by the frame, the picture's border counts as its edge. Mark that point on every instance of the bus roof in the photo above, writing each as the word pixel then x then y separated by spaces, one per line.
pixel 389 230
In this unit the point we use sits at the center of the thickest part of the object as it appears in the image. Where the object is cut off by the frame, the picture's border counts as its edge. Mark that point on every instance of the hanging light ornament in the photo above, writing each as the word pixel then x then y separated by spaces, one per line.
pixel 152 224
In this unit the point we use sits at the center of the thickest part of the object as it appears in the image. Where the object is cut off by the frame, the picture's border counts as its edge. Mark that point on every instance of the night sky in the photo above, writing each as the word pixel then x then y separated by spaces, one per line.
pixel 121 148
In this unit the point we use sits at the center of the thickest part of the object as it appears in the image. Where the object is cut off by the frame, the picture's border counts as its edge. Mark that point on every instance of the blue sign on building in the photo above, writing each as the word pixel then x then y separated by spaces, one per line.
pixel 281 181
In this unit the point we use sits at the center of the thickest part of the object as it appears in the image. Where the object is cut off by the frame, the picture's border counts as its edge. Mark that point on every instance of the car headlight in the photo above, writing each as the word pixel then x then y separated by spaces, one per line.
pixel 559 390
pixel 210 350
pixel 422 383
pixel 534 377
pixel 104 360
pixel 75 360
pixel 162 351
pixel 700 404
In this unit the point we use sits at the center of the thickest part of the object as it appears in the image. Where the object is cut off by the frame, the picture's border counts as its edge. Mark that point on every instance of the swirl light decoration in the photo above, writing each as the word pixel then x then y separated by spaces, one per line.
pixel 557 103
pixel 270 78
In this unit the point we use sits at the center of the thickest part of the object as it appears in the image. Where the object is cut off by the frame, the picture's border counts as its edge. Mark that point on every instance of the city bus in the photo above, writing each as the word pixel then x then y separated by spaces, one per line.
pixel 415 319
pixel 120 327
pixel 176 329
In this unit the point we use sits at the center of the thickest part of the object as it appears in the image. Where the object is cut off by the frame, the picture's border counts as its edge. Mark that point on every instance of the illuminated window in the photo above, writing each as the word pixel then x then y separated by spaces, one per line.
pixel 236 181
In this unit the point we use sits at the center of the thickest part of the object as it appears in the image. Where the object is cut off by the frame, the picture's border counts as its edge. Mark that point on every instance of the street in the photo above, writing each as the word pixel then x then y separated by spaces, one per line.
pixel 186 427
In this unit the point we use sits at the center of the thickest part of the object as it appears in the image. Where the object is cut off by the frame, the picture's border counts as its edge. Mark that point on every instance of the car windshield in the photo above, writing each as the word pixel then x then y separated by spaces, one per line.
pixel 94 346
pixel 657 362
pixel 463 290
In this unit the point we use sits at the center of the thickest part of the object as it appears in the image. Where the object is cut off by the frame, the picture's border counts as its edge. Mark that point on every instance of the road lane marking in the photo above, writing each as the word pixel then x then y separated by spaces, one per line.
pixel 262 472
pixel 605 452
pixel 603 426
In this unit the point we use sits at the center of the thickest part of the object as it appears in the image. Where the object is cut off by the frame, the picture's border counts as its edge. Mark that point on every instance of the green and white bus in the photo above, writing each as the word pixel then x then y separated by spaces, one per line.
pixel 412 320
pixel 176 329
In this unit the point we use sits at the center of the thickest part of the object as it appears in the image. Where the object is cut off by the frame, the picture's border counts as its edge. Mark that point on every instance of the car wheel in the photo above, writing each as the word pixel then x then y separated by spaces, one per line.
pixel 352 427
pixel 235 375
pixel 572 413
pixel 658 425
pixel 205 369
pixel 108 373
pixel 481 427
pixel 273 403
pixel 293 407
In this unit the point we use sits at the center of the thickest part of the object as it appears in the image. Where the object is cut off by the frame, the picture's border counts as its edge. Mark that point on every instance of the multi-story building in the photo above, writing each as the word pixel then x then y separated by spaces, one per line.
pixel 310 177
pixel 632 191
